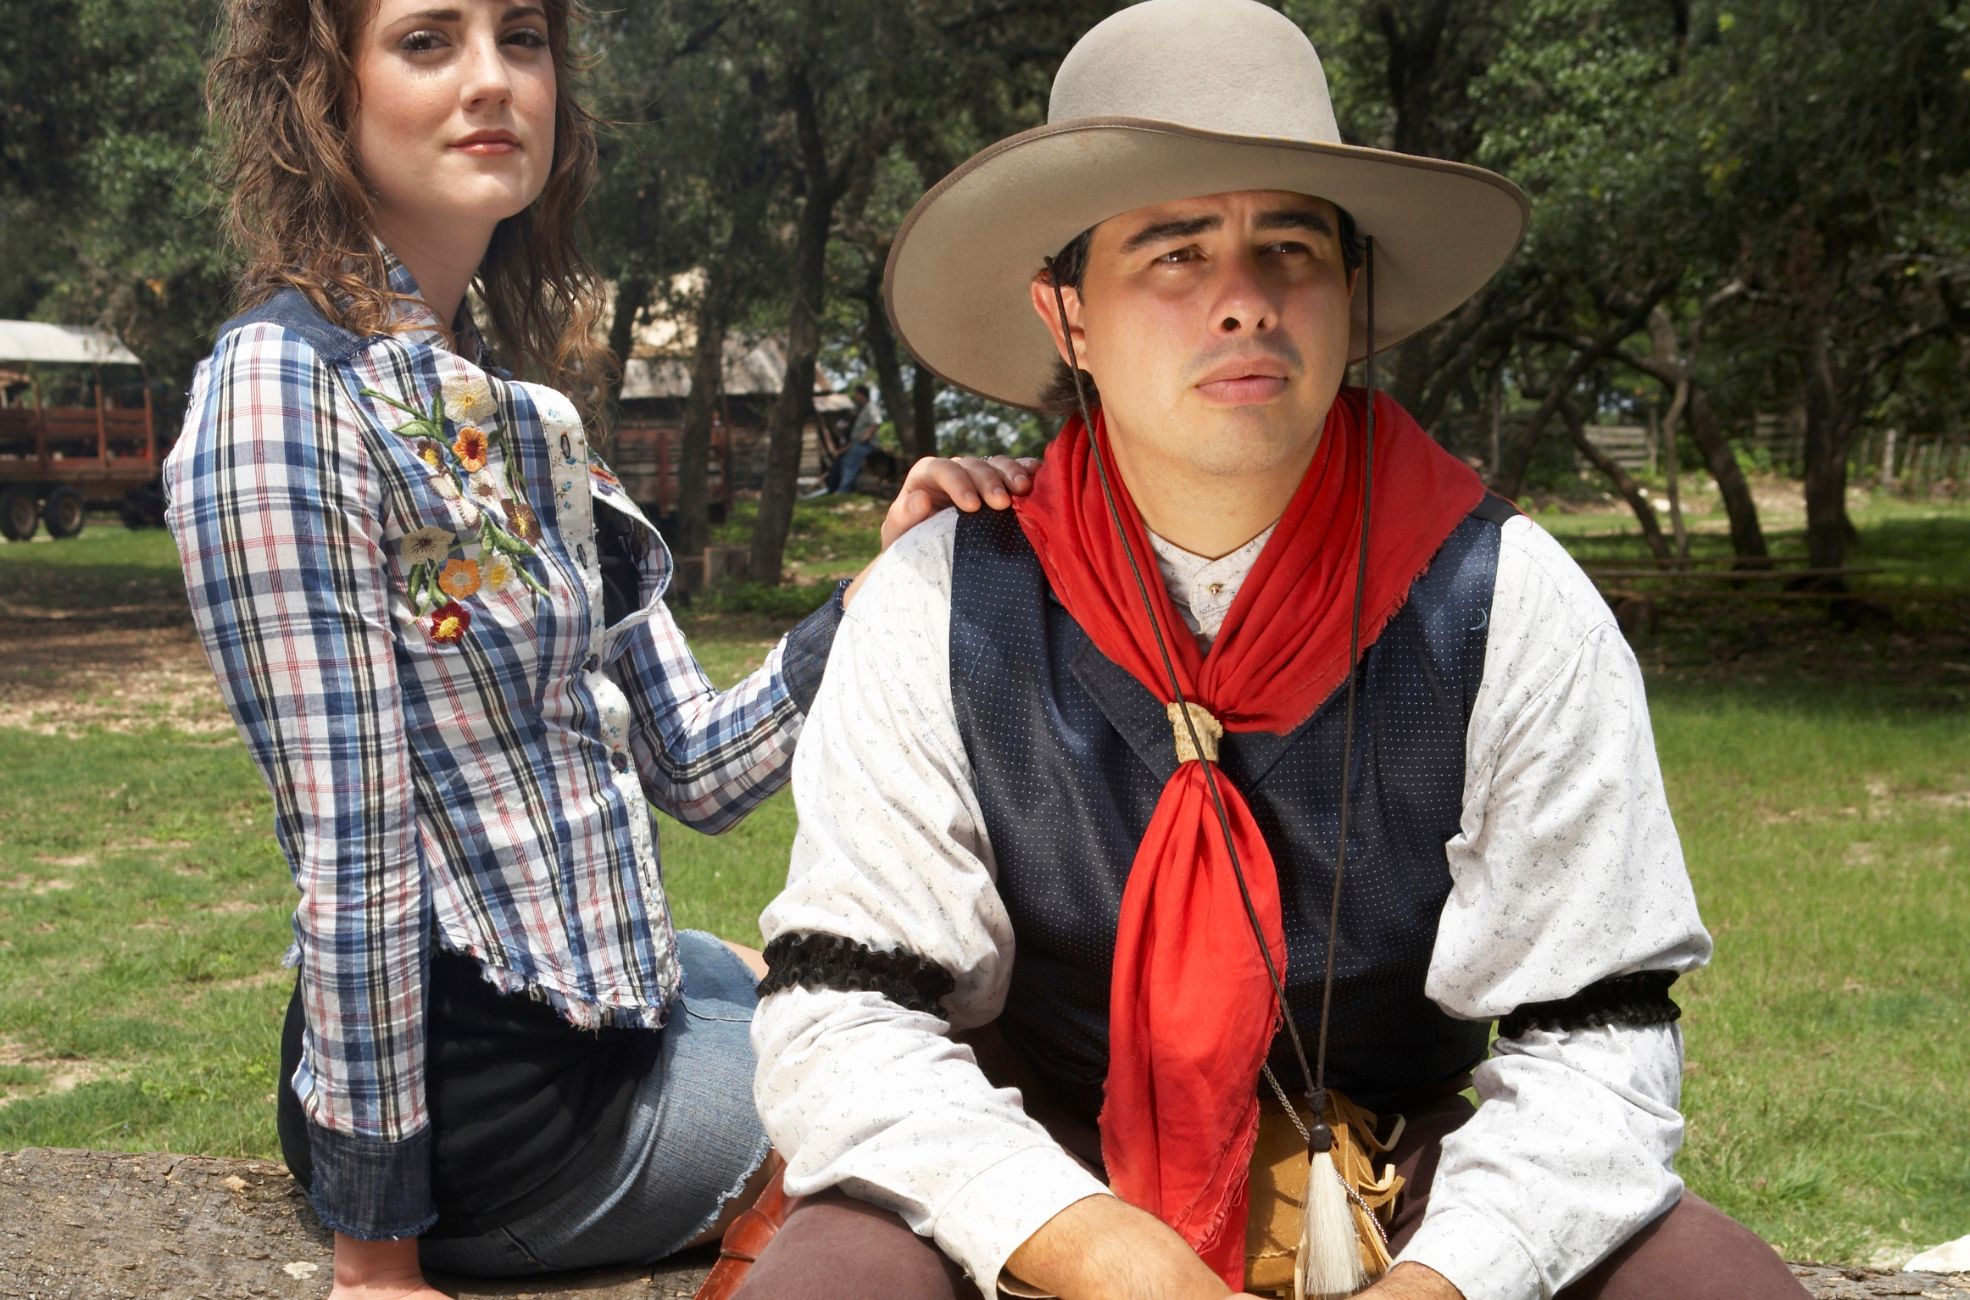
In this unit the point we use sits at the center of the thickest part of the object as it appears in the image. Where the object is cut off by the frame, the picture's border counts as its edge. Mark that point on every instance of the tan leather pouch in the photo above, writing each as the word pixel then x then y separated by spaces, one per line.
pixel 1279 1178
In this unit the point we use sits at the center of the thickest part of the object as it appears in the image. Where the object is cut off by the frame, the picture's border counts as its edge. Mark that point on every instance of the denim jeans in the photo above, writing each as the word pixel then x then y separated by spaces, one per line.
pixel 693 1141
pixel 851 465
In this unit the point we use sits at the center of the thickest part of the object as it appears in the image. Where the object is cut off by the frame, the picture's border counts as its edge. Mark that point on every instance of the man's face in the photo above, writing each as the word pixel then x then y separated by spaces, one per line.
pixel 1216 329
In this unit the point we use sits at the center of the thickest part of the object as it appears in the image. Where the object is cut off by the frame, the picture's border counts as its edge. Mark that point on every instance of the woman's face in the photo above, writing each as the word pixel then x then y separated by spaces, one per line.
pixel 454 128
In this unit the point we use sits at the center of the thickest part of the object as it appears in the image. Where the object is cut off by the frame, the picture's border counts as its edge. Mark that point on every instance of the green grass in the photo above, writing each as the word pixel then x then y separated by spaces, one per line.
pixel 1826 836
pixel 1818 779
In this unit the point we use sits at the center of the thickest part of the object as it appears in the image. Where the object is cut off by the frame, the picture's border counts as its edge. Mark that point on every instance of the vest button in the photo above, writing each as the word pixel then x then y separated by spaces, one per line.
pixel 591 663
pixel 619 761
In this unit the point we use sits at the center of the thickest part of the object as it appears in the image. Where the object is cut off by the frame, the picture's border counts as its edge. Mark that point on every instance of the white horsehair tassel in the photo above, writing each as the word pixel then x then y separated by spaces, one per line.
pixel 1328 1265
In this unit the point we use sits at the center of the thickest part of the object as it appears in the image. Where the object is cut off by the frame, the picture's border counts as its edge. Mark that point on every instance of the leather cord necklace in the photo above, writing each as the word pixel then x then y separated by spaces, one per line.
pixel 1319 1137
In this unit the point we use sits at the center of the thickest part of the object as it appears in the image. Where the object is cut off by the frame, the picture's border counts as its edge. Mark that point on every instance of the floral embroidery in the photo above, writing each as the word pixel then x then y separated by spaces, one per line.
pixel 427 545
pixel 526 524
pixel 449 621
pixel 469 399
pixel 470 447
pixel 438 579
pixel 459 578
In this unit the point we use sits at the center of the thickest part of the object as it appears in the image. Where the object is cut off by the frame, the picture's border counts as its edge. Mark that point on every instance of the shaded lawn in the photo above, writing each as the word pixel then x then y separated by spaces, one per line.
pixel 1819 782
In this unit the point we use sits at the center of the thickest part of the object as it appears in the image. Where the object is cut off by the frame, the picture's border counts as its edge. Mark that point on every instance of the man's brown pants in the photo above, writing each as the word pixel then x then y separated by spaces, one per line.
pixel 834 1247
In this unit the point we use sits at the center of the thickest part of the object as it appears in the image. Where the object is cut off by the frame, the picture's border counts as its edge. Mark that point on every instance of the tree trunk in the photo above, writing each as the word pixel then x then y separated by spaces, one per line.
pixel 694 449
pixel 632 295
pixel 881 341
pixel 923 418
pixel 1747 534
pixel 1673 366
pixel 787 425
pixel 1631 491
pixel 1829 429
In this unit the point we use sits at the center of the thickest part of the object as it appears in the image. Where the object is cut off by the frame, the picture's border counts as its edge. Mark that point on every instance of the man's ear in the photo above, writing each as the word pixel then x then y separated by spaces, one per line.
pixel 1043 303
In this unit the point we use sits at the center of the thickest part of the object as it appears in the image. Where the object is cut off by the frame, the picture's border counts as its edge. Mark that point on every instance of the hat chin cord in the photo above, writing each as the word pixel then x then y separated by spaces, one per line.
pixel 1328 1264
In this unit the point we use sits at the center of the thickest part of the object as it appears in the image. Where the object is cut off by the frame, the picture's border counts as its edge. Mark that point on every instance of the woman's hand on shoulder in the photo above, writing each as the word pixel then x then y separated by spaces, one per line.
pixel 967 482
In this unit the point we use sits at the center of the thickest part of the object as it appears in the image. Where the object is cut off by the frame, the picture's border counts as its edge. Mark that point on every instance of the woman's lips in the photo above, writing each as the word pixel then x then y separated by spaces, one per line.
pixel 1243 389
pixel 487 148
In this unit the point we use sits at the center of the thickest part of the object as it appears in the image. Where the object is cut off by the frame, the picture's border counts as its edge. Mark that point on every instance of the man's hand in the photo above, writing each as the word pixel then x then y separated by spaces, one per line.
pixel 379 1270
pixel 1104 1247
pixel 963 481
pixel 1407 1281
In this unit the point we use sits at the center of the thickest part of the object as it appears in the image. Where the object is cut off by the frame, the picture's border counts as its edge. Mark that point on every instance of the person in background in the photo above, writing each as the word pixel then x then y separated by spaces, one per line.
pixel 861 439
pixel 439 622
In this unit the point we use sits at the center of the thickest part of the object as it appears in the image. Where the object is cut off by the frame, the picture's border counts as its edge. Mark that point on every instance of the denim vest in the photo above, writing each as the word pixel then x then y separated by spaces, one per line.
pixel 1069 755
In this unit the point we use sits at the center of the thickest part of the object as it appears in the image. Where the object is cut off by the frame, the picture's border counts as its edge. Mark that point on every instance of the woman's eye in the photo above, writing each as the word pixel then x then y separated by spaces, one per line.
pixel 528 38
pixel 421 42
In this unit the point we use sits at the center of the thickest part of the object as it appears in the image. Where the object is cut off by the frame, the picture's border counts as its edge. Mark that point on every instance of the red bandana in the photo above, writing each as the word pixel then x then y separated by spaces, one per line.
pixel 1191 1011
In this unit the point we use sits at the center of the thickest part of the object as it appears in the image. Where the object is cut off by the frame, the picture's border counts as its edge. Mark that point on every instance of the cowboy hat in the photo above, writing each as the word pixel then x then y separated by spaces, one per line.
pixel 1165 100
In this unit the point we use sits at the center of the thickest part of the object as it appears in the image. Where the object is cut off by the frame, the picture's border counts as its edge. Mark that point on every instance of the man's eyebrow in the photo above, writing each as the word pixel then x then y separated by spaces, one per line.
pixel 1186 227
pixel 1182 228
pixel 1296 219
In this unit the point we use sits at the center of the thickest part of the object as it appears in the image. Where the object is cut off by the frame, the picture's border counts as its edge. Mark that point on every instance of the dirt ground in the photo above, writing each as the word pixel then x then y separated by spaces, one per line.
pixel 125 665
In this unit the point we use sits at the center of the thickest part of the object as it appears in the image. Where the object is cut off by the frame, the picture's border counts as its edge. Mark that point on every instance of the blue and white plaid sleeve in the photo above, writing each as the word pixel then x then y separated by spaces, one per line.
pixel 276 510
pixel 708 757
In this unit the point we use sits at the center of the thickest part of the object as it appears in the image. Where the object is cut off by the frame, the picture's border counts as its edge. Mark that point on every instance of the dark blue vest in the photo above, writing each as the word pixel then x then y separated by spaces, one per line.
pixel 1069 755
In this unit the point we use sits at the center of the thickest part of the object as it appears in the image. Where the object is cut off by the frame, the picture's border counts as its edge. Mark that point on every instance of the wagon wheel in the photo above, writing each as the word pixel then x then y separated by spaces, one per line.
pixel 64 513
pixel 20 513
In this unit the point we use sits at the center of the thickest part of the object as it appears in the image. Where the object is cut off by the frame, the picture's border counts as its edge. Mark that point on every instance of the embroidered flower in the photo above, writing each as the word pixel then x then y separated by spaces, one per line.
pixel 449 621
pixel 486 485
pixel 428 545
pixel 445 486
pixel 603 475
pixel 470 448
pixel 459 578
pixel 498 572
pixel 469 399
pixel 523 522
pixel 431 452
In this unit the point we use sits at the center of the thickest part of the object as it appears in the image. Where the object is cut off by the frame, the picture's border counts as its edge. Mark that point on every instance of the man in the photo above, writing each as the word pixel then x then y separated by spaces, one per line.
pixel 861 439
pixel 1017 945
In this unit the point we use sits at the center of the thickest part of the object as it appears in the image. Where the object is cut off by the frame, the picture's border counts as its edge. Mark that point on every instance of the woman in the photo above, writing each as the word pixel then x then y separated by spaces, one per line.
pixel 438 621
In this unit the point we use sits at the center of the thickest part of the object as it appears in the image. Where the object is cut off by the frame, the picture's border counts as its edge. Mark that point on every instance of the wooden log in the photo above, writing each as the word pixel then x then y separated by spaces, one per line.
pixel 96 1225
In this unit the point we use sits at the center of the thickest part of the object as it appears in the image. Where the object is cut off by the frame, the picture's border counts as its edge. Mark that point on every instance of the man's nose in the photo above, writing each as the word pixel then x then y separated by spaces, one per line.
pixel 1244 300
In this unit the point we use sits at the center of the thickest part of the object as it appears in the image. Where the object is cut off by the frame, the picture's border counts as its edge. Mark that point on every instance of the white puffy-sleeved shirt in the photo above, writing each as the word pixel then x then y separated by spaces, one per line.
pixel 1566 869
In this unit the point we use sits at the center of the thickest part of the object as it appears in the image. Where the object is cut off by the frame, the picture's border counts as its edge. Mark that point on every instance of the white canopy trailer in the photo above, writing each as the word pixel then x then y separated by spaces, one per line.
pixel 58 457
pixel 31 340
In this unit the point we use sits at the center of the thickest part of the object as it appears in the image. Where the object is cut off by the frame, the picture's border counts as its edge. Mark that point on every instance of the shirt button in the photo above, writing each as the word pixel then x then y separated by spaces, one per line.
pixel 591 663
pixel 619 761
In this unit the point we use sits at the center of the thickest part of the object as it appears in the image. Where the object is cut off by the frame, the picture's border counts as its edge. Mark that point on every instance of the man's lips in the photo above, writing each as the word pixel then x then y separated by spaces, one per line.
pixel 1242 380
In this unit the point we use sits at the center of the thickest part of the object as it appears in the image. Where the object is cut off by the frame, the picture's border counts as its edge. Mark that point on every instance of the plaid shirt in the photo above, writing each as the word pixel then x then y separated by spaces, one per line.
pixel 456 743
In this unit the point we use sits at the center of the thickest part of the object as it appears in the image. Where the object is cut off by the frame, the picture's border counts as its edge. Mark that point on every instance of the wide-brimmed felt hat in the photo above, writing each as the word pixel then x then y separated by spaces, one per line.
pixel 1165 100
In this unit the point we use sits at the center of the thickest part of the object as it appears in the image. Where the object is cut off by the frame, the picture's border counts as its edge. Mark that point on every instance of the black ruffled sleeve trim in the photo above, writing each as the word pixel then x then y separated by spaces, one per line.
pixel 1638 999
pixel 827 961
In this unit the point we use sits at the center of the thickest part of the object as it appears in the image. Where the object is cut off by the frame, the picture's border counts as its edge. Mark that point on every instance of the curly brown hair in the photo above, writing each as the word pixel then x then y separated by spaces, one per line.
pixel 281 92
